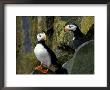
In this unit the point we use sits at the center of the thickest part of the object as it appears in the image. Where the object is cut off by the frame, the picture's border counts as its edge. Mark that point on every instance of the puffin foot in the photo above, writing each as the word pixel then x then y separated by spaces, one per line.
pixel 38 68
pixel 45 71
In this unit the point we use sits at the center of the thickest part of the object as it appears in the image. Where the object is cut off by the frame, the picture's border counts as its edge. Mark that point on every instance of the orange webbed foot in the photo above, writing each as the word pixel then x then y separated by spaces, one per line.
pixel 38 68
pixel 45 71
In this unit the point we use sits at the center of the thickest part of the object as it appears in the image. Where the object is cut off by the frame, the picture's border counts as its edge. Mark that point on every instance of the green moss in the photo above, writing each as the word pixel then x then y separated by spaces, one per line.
pixel 33 31
pixel 19 37
pixel 86 23
pixel 27 63
pixel 59 31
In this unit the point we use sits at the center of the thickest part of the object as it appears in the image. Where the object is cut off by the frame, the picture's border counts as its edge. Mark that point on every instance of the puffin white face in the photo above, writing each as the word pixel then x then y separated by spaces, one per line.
pixel 70 27
pixel 41 36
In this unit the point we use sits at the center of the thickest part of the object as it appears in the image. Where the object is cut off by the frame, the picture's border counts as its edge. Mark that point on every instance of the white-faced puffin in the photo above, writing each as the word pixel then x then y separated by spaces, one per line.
pixel 45 55
pixel 78 38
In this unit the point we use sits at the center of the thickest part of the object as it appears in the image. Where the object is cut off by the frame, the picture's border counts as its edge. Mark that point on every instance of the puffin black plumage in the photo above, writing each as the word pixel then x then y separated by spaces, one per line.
pixel 78 38
pixel 90 33
pixel 44 54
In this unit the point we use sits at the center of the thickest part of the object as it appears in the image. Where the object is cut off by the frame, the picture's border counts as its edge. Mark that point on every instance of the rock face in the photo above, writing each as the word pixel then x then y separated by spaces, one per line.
pixel 26 27
pixel 82 61
pixel 53 26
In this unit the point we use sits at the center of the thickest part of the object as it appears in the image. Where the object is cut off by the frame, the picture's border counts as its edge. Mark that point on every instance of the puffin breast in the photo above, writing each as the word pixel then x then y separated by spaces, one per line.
pixel 42 54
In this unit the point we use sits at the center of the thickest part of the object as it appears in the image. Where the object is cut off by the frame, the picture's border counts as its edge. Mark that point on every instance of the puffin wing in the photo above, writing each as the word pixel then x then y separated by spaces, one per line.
pixel 51 54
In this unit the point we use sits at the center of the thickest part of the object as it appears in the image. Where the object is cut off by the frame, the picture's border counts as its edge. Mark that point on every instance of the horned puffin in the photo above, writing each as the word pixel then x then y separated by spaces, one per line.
pixel 79 37
pixel 45 55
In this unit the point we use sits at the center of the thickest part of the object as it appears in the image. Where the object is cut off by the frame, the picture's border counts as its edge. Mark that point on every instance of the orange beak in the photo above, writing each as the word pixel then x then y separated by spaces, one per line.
pixel 66 30
pixel 45 38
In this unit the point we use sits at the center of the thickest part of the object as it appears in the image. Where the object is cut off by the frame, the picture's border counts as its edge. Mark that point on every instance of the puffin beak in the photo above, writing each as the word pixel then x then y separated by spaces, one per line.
pixel 65 30
pixel 45 38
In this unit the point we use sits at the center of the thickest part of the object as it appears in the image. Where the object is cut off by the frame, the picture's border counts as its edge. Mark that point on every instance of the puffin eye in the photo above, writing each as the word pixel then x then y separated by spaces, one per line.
pixel 39 35
pixel 69 26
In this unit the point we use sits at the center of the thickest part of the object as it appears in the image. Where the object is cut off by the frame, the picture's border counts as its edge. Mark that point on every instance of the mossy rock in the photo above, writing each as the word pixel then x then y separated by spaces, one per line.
pixel 83 60
pixel 86 23
pixel 26 63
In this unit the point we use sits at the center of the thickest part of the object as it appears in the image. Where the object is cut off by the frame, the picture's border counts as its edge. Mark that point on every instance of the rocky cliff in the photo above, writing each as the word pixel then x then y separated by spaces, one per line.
pixel 27 27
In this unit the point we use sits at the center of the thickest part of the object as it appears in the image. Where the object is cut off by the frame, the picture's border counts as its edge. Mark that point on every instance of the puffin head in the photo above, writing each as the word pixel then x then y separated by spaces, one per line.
pixel 70 27
pixel 41 37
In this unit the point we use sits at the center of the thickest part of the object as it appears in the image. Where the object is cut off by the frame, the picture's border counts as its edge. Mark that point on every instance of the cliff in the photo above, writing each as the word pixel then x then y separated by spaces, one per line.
pixel 27 27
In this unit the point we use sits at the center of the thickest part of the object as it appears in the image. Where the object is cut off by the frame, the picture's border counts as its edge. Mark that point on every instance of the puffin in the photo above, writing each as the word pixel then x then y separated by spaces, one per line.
pixel 45 55
pixel 79 38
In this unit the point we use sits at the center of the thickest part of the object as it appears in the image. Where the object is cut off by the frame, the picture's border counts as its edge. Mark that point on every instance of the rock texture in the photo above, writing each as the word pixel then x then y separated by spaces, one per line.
pixel 82 61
